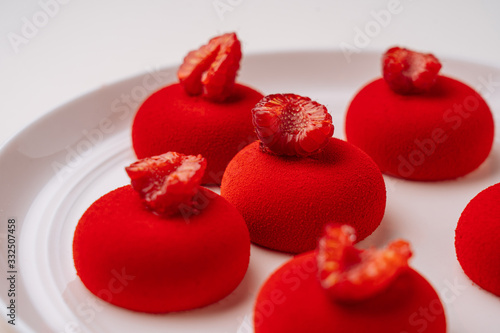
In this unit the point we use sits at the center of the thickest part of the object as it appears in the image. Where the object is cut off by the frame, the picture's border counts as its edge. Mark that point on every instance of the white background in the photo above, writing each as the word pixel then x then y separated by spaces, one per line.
pixel 79 46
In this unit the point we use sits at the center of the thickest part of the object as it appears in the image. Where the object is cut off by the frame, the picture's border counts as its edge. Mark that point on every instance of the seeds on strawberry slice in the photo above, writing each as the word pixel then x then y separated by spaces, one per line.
pixel 291 125
pixel 211 70
pixel 409 72
pixel 350 274
pixel 167 182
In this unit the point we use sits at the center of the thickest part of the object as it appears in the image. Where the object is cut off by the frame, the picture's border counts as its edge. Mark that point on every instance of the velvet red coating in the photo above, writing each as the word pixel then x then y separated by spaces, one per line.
pixel 293 301
pixel 132 258
pixel 286 201
pixel 171 120
pixel 443 134
pixel 477 239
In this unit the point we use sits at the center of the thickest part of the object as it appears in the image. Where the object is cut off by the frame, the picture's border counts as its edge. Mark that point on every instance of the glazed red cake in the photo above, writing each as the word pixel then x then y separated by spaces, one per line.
pixel 293 301
pixel 140 248
pixel 206 113
pixel 319 291
pixel 287 200
pixel 442 133
pixel 477 237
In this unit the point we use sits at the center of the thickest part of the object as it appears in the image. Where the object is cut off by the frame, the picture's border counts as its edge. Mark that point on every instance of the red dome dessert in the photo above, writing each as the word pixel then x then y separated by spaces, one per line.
pixel 133 252
pixel 205 113
pixel 294 300
pixel 287 200
pixel 442 132
pixel 477 237
pixel 172 120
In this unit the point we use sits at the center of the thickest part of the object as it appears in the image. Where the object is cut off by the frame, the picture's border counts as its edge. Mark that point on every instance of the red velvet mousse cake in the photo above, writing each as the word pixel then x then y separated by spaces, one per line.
pixel 417 124
pixel 205 113
pixel 342 289
pixel 297 177
pixel 164 243
pixel 477 239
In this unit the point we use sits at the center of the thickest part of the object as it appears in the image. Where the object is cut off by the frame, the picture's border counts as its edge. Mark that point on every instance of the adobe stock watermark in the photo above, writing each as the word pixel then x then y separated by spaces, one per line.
pixel 122 107
pixel 87 310
pixel 200 201
pixel 225 6
pixel 128 102
pixel 363 36
pixel 291 280
pixel 454 117
pixel 31 26
pixel 420 319
pixel 428 313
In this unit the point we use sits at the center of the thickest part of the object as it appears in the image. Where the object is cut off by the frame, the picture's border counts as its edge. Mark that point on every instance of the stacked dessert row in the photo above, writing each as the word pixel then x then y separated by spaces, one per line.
pixel 289 186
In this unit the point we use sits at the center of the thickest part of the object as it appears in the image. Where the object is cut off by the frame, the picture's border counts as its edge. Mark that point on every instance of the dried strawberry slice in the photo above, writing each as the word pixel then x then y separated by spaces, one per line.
pixel 409 72
pixel 211 70
pixel 350 274
pixel 167 182
pixel 291 125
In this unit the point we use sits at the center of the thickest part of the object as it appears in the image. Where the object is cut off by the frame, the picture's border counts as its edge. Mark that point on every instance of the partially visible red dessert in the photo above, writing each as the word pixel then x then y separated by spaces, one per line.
pixel 419 125
pixel 477 239
pixel 205 113
pixel 297 178
pixel 314 295
pixel 163 243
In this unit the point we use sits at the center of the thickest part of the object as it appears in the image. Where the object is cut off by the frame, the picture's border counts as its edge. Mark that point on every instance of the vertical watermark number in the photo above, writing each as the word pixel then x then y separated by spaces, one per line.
pixel 11 270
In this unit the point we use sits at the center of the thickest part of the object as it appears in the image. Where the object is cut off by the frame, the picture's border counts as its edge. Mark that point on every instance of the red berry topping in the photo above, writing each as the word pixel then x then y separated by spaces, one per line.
pixel 211 70
pixel 168 182
pixel 350 274
pixel 291 125
pixel 409 72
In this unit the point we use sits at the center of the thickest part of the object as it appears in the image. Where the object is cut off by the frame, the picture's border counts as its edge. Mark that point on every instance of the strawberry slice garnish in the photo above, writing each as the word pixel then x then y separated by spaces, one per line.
pixel 409 72
pixel 350 274
pixel 211 70
pixel 291 125
pixel 168 182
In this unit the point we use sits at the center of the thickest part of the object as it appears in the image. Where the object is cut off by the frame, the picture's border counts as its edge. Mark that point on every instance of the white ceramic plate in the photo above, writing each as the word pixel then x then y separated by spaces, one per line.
pixel 54 169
